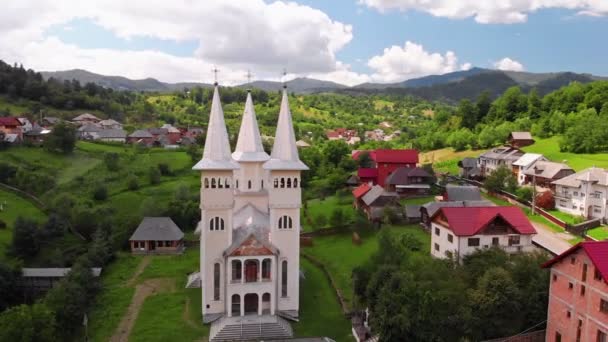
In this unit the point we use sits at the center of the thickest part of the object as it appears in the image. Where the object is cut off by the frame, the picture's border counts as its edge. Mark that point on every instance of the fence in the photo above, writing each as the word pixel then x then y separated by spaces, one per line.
pixel 37 202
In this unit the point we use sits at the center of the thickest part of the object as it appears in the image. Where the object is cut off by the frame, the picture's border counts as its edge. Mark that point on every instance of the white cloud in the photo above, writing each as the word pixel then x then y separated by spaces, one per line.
pixel 237 34
pixel 399 63
pixel 508 64
pixel 489 11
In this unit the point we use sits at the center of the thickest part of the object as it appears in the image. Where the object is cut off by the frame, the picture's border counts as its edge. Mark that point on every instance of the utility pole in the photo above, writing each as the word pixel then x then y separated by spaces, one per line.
pixel 534 192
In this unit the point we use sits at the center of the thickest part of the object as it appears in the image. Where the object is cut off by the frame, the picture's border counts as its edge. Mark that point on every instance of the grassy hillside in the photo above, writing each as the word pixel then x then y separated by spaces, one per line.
pixel 550 149
pixel 14 206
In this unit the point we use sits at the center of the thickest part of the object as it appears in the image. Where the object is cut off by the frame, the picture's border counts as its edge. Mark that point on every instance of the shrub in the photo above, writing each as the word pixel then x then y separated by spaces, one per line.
pixel 337 218
pixel 524 193
pixel 321 221
pixel 164 169
pixel 545 200
pixel 154 175
pixel 132 183
pixel 100 193
pixel 111 160
pixel 2 224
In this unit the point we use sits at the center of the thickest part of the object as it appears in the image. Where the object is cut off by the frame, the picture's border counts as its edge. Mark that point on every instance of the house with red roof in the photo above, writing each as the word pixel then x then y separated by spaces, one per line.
pixel 385 162
pixel 358 193
pixel 578 294
pixel 460 231
pixel 11 126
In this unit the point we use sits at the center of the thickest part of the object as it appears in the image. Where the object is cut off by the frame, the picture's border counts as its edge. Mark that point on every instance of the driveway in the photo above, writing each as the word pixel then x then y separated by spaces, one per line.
pixel 556 243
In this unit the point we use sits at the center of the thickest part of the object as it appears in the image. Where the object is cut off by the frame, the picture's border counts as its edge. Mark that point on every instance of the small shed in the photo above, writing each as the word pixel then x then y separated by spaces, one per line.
pixel 157 235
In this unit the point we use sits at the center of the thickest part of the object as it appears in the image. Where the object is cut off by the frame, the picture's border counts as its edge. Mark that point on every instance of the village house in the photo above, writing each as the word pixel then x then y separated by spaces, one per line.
pixel 520 139
pixel 157 235
pixel 375 135
pixel 460 231
pixel 26 124
pixel 376 201
pixel 86 118
pixel 140 136
pixel 429 209
pixel 491 160
pixel 89 131
pixel 583 193
pixel 110 124
pixel 173 134
pixel 461 193
pixel 543 173
pixel 385 162
pixel 302 144
pixel 468 168
pixel 36 135
pixel 578 294
pixel 524 163
pixel 409 182
pixel 49 121
pixel 11 127
pixel 112 135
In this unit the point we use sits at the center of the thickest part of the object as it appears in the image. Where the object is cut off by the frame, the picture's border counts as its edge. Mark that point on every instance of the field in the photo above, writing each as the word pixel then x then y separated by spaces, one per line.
pixel 341 256
pixel 446 159
pixel 550 149
pixel 12 207
pixel 325 208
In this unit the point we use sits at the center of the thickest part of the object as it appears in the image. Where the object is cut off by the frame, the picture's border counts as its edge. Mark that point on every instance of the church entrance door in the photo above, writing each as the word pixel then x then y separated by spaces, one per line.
pixel 251 304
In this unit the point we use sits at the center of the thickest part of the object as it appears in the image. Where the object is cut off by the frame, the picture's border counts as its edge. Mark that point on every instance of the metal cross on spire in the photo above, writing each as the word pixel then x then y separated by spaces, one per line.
pixel 215 71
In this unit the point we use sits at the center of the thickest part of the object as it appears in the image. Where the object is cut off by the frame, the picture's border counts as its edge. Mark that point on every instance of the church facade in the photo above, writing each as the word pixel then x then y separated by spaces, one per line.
pixel 250 218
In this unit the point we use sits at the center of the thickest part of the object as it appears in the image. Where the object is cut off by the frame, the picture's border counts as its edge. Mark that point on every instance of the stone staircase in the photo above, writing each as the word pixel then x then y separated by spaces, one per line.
pixel 250 328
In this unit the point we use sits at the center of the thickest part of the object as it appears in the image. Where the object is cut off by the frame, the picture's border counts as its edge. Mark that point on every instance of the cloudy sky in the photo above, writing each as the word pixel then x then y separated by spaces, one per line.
pixel 346 41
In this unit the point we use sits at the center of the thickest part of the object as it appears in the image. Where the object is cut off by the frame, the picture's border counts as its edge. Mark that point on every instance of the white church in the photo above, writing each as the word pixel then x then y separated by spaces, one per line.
pixel 250 228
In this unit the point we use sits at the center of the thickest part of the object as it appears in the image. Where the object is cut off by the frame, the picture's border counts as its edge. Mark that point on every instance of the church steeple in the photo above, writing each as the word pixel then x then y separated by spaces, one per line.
pixel 249 146
pixel 216 154
pixel 284 151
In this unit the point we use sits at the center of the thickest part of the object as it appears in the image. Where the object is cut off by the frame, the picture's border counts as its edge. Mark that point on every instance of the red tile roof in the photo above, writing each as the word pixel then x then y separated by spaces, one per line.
pixel 367 172
pixel 467 221
pixel 395 156
pixel 361 190
pixel 597 251
pixel 9 121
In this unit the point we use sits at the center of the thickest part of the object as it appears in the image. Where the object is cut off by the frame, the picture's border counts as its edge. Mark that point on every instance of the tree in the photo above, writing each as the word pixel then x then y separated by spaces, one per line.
pixel 534 104
pixel 8 286
pixel 193 152
pixel 164 169
pixel 25 323
pixel 467 111
pixel 365 161
pixel 336 150
pixel 100 193
pixel 24 243
pixel 389 215
pixel 483 104
pixel 132 182
pixel 337 218
pixel 501 179
pixel 320 220
pixel 62 138
pixel 525 193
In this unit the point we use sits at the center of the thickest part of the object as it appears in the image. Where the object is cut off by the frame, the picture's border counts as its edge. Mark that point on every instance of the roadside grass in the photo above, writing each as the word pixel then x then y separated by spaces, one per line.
pixel 173 266
pixel 599 233
pixel 112 302
pixel 326 207
pixel 578 161
pixel 320 312
pixel 338 253
pixel 13 207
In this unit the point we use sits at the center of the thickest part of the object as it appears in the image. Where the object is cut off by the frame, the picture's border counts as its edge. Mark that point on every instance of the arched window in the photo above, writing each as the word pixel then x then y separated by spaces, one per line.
pixel 227 182
pixel 237 183
pixel 249 184
pixel 266 265
pixel 237 271
pixel 289 182
pixel 206 183
pixel 295 182
pixel 236 305
pixel 285 222
pixel 216 281
pixel 219 183
pixel 284 278
pixel 213 183
pixel 276 183
pixel 262 184
pixel 282 182
pixel 216 223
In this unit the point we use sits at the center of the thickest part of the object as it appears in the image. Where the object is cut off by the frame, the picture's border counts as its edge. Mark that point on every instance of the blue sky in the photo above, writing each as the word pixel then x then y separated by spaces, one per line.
pixel 543 40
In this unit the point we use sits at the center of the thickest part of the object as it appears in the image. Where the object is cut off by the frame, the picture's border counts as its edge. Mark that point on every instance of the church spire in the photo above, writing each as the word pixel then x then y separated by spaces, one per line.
pixel 249 146
pixel 284 151
pixel 216 154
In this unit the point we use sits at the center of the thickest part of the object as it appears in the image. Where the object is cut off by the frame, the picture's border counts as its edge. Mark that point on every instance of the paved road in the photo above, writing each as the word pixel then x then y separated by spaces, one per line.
pixel 556 243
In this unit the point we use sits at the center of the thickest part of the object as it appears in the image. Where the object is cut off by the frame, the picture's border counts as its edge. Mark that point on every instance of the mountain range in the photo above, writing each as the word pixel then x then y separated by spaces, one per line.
pixel 449 87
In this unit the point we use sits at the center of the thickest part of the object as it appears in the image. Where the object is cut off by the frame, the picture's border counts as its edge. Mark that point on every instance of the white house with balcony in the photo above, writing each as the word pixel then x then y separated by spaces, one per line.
pixel 460 231
pixel 250 228
pixel 524 163
pixel 491 160
pixel 583 193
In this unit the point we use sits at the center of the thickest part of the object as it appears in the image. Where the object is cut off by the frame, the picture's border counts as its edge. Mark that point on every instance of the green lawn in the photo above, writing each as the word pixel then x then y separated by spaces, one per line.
pixel 599 233
pixel 418 200
pixel 341 256
pixel 326 207
pixel 13 207
pixel 566 217
pixel 320 312
pixel 550 149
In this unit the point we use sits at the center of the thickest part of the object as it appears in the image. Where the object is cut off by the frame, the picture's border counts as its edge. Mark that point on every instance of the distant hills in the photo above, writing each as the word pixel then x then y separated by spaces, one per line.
pixel 449 87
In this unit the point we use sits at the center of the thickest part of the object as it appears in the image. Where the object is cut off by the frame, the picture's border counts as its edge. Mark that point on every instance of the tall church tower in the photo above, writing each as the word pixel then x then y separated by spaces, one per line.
pixel 285 200
pixel 217 206
pixel 250 179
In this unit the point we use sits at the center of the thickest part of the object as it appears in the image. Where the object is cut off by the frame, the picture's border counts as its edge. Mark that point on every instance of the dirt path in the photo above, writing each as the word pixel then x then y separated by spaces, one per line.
pixel 139 270
pixel 142 291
